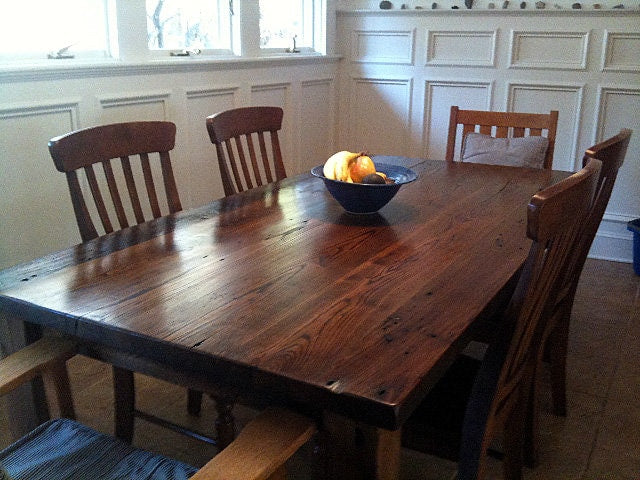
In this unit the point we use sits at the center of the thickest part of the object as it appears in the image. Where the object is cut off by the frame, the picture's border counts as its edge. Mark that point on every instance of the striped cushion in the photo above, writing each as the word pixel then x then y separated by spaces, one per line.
pixel 64 449
pixel 3 474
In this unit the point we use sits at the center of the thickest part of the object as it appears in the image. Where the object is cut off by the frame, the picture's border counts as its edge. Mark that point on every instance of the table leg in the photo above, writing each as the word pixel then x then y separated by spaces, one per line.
pixel 359 452
pixel 27 404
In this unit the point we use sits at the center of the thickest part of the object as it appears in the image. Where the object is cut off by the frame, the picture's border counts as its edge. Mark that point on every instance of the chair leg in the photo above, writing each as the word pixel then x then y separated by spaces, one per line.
pixel 530 431
pixel 57 385
pixel 225 423
pixel 512 462
pixel 514 430
pixel 194 402
pixel 558 346
pixel 124 403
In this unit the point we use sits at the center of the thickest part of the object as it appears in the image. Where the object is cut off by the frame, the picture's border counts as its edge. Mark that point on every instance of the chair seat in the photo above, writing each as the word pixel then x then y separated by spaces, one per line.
pixel 64 449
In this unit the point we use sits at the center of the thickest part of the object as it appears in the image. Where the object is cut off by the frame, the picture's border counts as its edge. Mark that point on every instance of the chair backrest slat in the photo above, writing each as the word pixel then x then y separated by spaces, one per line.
pixel 132 189
pixel 97 198
pixel 82 149
pixel 254 159
pixel 115 194
pixel 239 125
pixel 149 185
pixel 516 123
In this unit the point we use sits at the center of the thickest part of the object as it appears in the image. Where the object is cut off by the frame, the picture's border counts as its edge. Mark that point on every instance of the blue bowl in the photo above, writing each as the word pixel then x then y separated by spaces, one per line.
pixel 363 198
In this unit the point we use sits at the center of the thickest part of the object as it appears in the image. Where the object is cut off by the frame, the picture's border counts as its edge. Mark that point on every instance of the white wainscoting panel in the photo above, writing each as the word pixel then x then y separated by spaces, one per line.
pixel 134 107
pixel 54 100
pixel 37 216
pixel 461 48
pixel 381 124
pixel 278 95
pixel 621 52
pixel 584 63
pixel 439 96
pixel 542 98
pixel 316 124
pixel 618 107
pixel 549 50
pixel 383 46
pixel 193 143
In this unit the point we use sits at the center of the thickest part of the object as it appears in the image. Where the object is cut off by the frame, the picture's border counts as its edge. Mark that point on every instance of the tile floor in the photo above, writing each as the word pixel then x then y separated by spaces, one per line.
pixel 598 440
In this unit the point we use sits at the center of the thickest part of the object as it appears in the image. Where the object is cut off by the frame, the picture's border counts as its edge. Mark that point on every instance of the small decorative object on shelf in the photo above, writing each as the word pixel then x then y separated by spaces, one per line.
pixel 540 5
pixel 386 5
pixel 491 6
pixel 597 6
pixel 455 7
pixel 505 4
pixel 419 7
pixel 468 3
pixel 619 6
pixel 404 6
pixel 576 6
pixel 434 5
pixel 523 5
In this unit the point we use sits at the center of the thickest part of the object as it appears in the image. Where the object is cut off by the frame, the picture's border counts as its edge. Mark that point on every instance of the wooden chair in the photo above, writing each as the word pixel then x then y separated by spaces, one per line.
pixel 506 124
pixel 63 449
pixel 234 133
pixel 611 153
pixel 81 150
pixel 125 192
pixel 466 410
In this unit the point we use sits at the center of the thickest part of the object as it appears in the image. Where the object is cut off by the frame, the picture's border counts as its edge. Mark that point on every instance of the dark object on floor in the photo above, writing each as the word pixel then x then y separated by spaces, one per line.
pixel 468 3
pixel 576 6
pixel 386 5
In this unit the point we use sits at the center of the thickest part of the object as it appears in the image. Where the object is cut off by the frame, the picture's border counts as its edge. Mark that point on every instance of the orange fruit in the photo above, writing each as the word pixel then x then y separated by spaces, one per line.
pixel 362 167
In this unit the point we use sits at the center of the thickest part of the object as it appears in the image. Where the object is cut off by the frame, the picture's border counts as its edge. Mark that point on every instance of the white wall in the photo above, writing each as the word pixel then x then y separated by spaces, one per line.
pixel 403 69
pixel 36 214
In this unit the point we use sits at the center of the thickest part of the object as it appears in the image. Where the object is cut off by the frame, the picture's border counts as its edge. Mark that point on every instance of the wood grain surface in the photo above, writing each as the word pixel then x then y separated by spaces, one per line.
pixel 282 295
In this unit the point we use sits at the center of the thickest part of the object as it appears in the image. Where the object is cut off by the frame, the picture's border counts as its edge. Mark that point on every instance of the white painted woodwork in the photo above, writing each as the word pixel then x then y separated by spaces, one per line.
pixel 40 103
pixel 390 93
pixel 583 63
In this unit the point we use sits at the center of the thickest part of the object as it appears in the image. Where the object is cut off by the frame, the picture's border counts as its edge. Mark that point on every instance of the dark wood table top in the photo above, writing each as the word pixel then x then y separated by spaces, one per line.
pixel 282 295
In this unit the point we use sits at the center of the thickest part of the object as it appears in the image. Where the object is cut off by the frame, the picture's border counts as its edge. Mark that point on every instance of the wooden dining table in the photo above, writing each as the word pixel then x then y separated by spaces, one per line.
pixel 282 297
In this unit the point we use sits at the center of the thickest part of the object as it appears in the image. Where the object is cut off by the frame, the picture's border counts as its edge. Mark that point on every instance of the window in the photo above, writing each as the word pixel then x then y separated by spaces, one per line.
pixel 63 29
pixel 287 25
pixel 137 30
pixel 196 25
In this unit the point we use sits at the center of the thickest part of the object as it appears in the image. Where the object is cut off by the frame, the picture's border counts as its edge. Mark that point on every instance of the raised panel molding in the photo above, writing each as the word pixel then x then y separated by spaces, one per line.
pixel 438 97
pixel 139 98
pixel 382 122
pixel 315 129
pixel 270 86
pixel 604 116
pixel 621 52
pixel 205 92
pixel 549 50
pixel 383 46
pixel 461 48
pixel 70 106
pixel 544 97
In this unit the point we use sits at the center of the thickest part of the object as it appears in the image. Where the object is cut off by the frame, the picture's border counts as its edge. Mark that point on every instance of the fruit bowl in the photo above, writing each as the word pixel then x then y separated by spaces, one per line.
pixel 361 198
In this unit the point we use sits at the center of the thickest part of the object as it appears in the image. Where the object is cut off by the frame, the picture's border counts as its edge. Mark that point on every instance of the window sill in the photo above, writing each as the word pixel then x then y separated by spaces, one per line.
pixel 70 69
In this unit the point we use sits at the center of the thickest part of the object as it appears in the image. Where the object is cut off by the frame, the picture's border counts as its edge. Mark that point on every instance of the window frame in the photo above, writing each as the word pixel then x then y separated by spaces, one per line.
pixel 126 31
